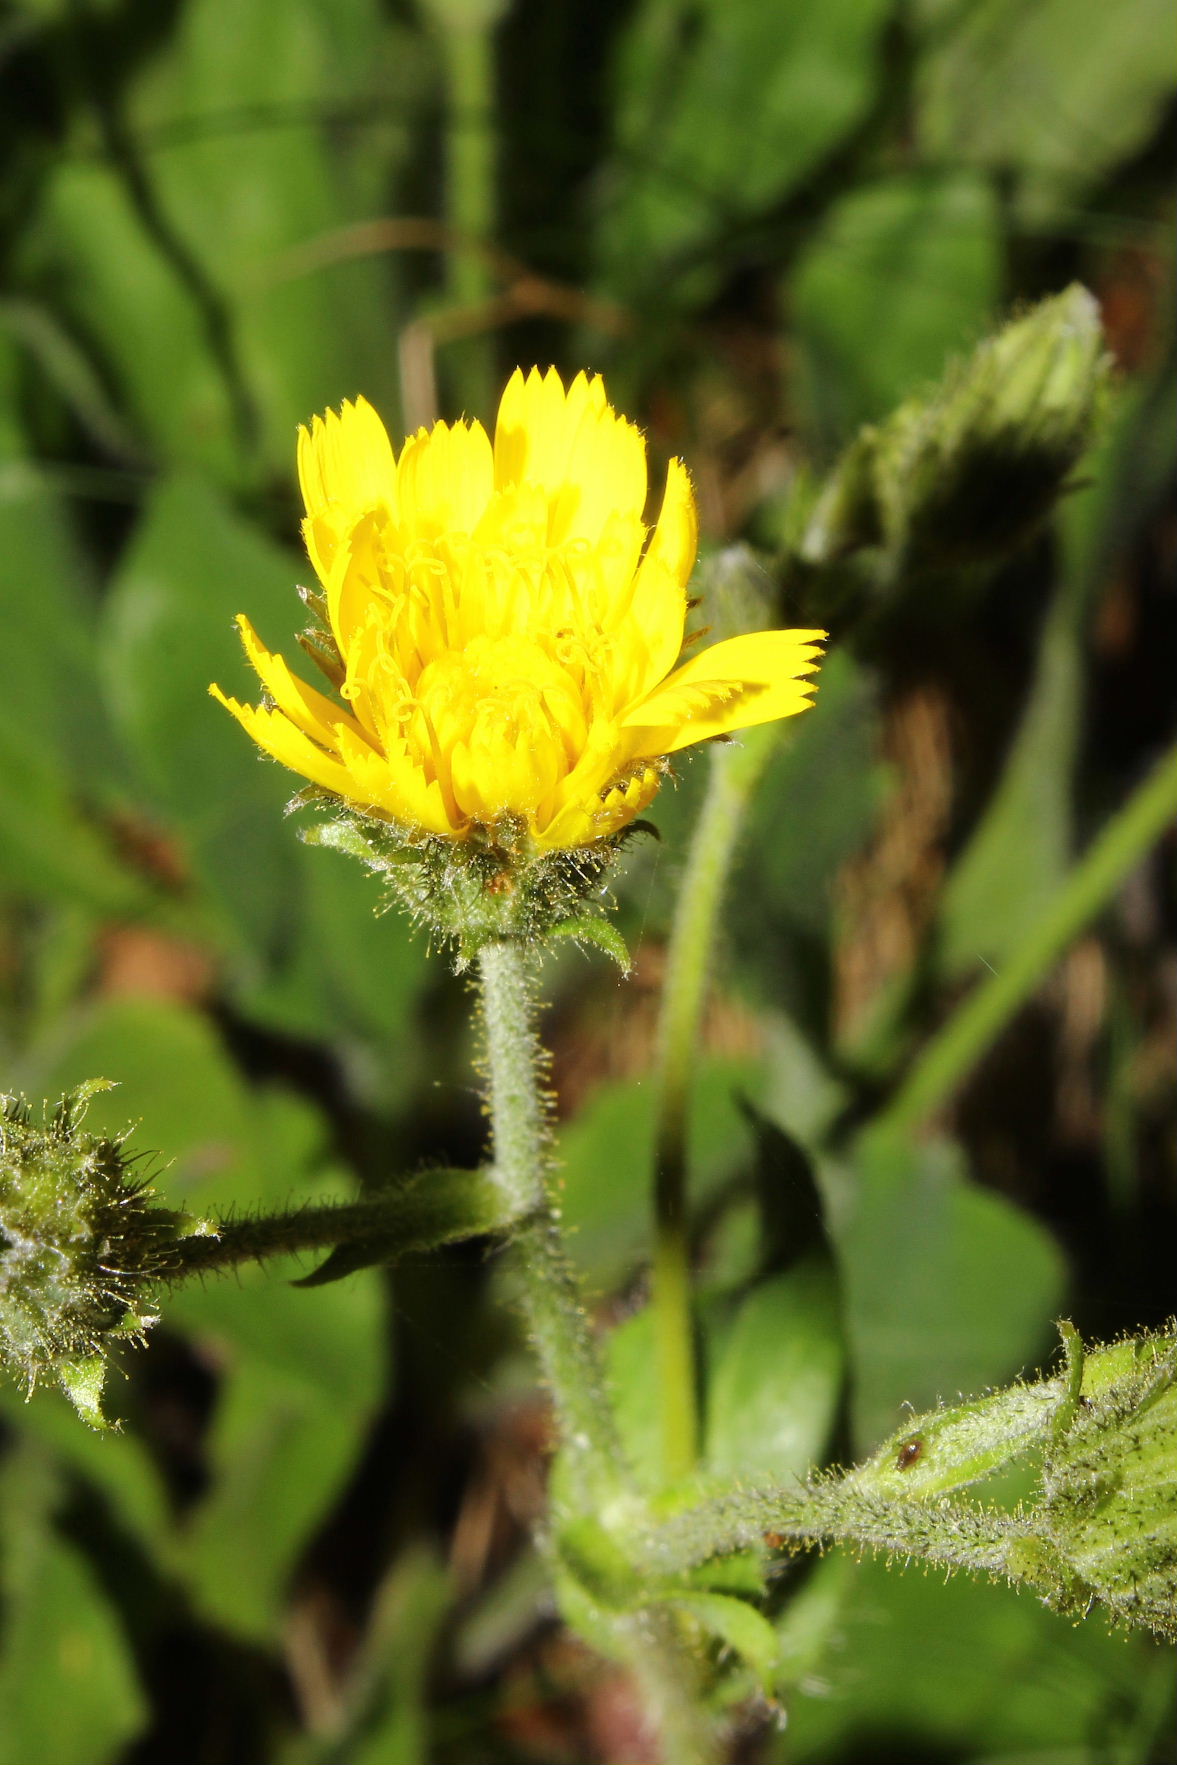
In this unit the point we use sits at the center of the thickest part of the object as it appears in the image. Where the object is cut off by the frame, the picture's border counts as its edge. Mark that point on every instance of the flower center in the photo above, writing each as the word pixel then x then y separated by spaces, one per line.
pixel 499 724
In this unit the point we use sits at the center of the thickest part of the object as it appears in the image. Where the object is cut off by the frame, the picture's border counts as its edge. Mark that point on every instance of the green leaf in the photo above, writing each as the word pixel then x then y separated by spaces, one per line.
pixel 633 1377
pixel 54 740
pixel 948 1288
pixel 189 250
pixel 815 806
pixel 1021 849
pixel 902 274
pixel 606 1155
pixel 776 1377
pixel 740 1626
pixel 49 848
pixel 966 1670
pixel 250 215
pixel 168 632
pixel 1052 96
pixel 300 1374
pixel 412 1604
pixel 1020 853
pixel 67 1685
pixel 175 1083
pixel 117 1466
pixel 281 1447
pixel 687 167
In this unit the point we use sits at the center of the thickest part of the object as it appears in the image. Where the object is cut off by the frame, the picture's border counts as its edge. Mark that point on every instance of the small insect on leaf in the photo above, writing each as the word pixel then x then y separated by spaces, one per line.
pixel 909 1453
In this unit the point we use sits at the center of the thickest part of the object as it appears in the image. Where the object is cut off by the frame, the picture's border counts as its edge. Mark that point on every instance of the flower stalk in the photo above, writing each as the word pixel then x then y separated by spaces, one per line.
pixel 520 1110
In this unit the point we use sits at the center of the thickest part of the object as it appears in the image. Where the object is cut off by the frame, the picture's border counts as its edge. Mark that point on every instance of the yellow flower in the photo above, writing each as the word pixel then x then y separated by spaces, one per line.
pixel 507 638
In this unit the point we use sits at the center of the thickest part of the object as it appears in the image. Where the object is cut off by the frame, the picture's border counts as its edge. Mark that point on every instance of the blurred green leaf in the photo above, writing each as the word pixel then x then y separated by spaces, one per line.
pixel 67 1685
pixel 300 1373
pixel 234 124
pixel 1053 96
pixel 54 741
pixel 354 966
pixel 49 848
pixel 174 1083
pixel 948 1288
pixel 814 807
pixel 281 1444
pixel 118 1465
pixel 1021 852
pixel 776 1376
pixel 152 336
pixel 606 1156
pixel 412 1605
pixel 902 274
pixel 738 1625
pixel 916 1662
pixel 633 1377
pixel 168 632
pixel 688 168
pixel 218 159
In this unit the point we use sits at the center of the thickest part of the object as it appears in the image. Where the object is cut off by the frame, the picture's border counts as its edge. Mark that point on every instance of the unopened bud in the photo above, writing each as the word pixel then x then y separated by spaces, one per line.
pixel 81 1250
pixel 1110 1483
pixel 964 474
pixel 970 474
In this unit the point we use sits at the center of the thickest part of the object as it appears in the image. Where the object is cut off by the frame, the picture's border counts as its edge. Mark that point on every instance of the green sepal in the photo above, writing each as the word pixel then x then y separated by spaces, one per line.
pixel 953 1448
pixel 601 932
pixel 83 1381
pixel 492 885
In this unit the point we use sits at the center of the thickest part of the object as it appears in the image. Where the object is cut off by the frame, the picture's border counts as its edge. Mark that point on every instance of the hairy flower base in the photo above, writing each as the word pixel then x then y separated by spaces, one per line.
pixel 501 626
pixel 494 884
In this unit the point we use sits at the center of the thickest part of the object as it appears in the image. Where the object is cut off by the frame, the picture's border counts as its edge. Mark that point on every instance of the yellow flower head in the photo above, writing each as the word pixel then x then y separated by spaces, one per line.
pixel 507 627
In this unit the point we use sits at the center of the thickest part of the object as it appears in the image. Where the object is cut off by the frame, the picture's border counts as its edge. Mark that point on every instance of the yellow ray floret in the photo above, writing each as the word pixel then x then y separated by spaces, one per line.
pixel 507 626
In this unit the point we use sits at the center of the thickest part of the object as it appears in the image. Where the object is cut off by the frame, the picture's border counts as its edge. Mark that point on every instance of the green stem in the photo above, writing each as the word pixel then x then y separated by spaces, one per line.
pixel 1092 883
pixel 520 1110
pixel 467 37
pixel 436 1208
pixel 959 1534
pixel 735 771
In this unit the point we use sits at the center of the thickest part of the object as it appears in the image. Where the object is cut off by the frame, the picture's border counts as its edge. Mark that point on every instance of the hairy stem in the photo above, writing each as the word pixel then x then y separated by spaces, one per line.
pixel 520 1109
pixel 734 773
pixel 437 1208
pixel 965 1536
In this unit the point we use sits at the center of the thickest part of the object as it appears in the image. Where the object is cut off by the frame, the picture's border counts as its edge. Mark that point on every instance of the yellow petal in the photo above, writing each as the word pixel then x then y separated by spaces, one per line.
pixel 733 685
pixel 394 783
pixel 445 479
pixel 658 608
pixel 274 732
pixel 346 467
pixel 311 711
pixel 589 462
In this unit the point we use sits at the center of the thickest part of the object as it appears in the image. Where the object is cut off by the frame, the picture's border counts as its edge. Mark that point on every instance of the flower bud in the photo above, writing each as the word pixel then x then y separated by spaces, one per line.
pixel 81 1251
pixel 1110 1483
pixel 971 473
pixel 964 474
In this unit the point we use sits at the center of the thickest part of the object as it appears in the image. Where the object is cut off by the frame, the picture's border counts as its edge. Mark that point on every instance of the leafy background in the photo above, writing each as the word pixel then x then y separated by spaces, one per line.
pixel 766 224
